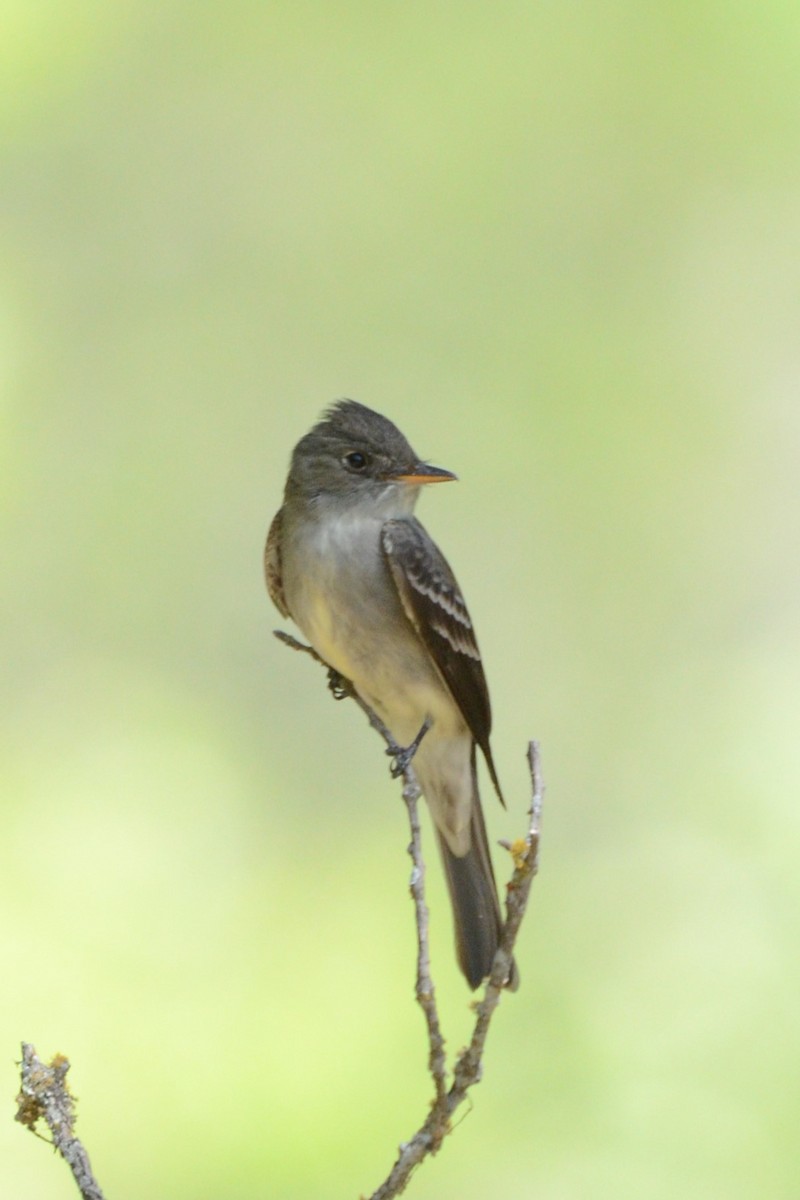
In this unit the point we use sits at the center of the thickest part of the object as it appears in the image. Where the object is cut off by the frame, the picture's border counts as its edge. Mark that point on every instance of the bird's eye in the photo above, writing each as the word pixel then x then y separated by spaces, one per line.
pixel 356 461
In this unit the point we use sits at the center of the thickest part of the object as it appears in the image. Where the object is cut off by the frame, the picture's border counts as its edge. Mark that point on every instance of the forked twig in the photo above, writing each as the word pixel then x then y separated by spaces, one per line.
pixel 44 1092
pixel 467 1069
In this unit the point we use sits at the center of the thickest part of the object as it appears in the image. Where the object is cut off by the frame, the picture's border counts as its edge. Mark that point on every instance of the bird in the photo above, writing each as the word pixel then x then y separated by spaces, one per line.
pixel 348 562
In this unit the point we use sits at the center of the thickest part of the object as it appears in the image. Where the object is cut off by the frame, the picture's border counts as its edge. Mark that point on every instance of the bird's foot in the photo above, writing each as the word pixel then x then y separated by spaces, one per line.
pixel 401 757
pixel 338 686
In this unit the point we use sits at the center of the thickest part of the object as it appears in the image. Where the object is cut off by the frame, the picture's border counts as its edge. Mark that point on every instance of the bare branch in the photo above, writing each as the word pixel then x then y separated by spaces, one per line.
pixel 467 1071
pixel 46 1096
pixel 44 1092
pixel 426 997
pixel 425 994
pixel 468 1067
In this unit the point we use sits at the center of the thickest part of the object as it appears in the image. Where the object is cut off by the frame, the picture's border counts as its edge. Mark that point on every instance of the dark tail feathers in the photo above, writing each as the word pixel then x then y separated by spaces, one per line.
pixel 476 908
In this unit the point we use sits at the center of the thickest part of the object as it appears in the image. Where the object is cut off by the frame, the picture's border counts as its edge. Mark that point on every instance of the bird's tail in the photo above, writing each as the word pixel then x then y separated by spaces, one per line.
pixel 473 895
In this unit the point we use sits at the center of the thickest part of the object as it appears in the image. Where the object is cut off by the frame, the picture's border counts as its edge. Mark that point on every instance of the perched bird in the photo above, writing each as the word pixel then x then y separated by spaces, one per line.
pixel 350 564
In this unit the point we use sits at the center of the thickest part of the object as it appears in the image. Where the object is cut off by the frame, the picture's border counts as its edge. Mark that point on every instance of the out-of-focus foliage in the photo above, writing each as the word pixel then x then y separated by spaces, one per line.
pixel 559 245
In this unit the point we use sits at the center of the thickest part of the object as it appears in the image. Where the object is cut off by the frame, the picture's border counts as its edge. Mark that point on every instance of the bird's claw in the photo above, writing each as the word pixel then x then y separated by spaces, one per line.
pixel 401 759
pixel 338 685
pixel 402 756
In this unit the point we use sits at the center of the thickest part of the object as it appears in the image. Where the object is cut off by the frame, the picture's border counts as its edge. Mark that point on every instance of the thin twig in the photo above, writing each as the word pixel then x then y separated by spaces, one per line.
pixel 467 1071
pixel 46 1096
pixel 44 1092
pixel 425 994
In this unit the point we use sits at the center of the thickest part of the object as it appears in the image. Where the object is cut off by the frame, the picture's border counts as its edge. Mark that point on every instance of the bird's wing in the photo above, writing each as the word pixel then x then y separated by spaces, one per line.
pixel 435 607
pixel 272 565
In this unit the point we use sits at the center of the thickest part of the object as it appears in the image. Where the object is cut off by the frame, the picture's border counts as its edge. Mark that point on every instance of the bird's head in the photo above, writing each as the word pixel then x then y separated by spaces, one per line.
pixel 356 457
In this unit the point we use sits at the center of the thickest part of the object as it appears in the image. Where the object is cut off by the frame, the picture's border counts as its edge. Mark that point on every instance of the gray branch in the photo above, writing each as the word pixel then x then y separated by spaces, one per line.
pixel 45 1096
pixel 467 1071
pixel 411 793
pixel 468 1066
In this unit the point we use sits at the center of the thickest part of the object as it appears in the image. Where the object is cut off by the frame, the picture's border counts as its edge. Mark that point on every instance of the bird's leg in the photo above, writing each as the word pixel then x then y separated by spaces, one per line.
pixel 339 687
pixel 402 757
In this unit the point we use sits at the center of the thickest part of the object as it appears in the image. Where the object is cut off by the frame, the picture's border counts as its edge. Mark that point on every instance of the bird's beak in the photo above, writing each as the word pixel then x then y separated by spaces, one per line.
pixel 424 473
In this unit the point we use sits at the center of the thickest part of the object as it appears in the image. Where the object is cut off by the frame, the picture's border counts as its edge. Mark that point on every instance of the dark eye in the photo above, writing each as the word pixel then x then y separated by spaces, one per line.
pixel 356 461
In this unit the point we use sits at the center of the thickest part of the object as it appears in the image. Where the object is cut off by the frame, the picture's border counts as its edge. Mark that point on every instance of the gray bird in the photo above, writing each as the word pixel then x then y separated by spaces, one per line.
pixel 356 571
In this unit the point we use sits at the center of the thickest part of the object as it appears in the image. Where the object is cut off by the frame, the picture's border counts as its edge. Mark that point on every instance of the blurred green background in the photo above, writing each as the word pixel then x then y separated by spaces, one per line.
pixel 558 244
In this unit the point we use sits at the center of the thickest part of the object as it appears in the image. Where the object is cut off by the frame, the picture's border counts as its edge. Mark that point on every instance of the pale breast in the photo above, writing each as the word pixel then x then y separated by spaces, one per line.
pixel 341 594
